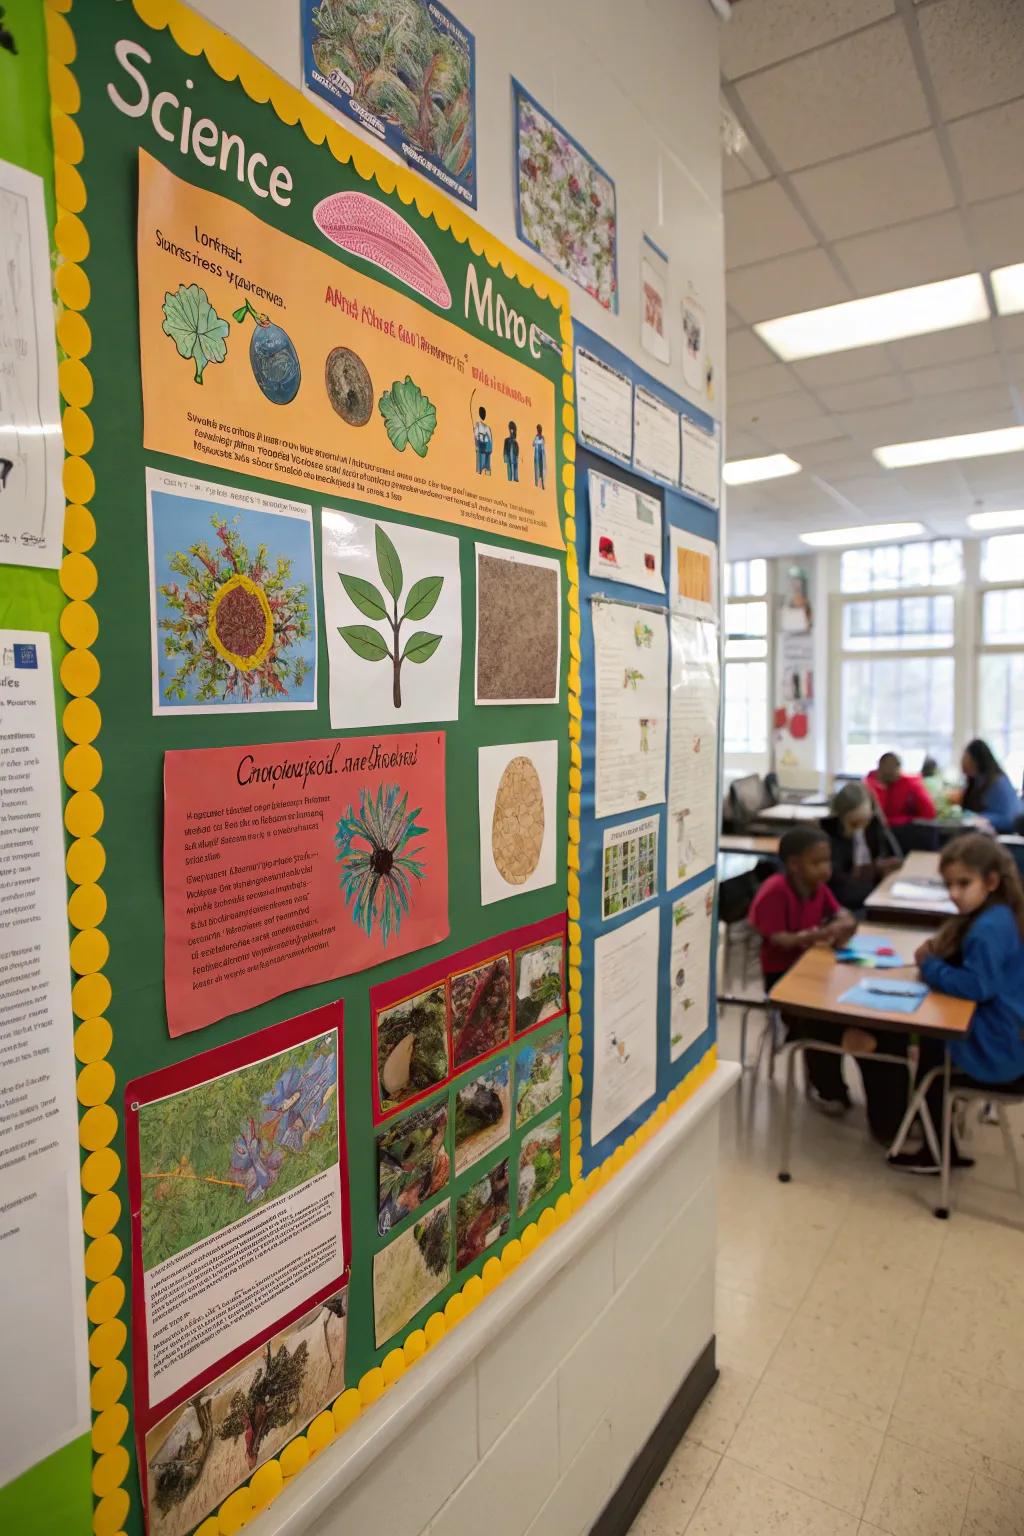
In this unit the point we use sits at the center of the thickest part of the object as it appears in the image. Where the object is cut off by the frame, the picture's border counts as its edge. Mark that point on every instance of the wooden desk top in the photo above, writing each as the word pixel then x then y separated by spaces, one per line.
pixel 791 813
pixel 916 866
pixel 764 843
pixel 813 987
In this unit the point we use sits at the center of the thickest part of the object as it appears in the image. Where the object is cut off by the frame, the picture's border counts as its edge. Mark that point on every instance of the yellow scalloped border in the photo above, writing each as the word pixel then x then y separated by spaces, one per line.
pixel 83 767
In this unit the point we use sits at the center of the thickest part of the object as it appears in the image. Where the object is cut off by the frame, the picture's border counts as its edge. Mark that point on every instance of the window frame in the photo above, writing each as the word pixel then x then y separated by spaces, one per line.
pixel 758 653
pixel 983 647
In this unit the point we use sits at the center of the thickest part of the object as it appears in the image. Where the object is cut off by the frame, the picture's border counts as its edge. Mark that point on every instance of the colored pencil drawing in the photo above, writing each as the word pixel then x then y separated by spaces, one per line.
pixel 482 1114
pixel 539 983
pixel 379 870
pixel 412 1164
pixel 410 1271
pixel 412 1047
pixel 481 1010
pixel 210 1153
pixel 482 1215
pixel 540 1162
pixel 540 1073
pixel 371 644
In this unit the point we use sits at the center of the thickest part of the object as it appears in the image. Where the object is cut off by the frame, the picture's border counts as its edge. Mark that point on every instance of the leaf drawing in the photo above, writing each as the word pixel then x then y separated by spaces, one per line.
pixel 410 418
pixel 195 327
pixel 372 645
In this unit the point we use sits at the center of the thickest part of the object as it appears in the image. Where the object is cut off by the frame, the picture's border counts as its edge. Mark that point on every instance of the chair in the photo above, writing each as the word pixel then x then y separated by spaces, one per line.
pixel 747 797
pixel 962 1094
pixel 734 899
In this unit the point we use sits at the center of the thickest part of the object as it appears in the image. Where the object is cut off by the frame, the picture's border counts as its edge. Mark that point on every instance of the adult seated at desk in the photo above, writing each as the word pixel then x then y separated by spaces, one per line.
pixel 987 791
pixel 792 912
pixel 902 797
pixel 864 851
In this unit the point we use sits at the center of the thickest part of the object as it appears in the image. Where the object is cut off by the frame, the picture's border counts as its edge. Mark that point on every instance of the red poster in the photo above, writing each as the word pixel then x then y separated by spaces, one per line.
pixel 237 1181
pixel 296 862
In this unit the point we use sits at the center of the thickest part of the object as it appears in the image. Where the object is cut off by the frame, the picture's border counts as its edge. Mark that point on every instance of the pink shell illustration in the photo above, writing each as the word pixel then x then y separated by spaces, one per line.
pixel 372 230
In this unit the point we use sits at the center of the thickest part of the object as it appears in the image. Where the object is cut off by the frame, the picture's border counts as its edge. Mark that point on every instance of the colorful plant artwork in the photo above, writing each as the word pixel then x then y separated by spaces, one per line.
pixel 540 989
pixel 481 1010
pixel 412 1047
pixel 540 1072
pixel 349 386
pixel 411 1271
pixel 412 1164
pixel 482 1215
pixel 482 1114
pixel 234 599
pixel 217 1438
pixel 378 867
pixel 409 417
pixel 210 1153
pixel 369 229
pixel 566 202
pixel 272 356
pixel 540 1162
pixel 195 327
pixel 371 644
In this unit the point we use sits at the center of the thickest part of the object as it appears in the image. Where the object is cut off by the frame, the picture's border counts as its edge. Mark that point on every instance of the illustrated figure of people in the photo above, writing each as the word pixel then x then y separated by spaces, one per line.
pixel 484 441
pixel 510 452
pixel 540 457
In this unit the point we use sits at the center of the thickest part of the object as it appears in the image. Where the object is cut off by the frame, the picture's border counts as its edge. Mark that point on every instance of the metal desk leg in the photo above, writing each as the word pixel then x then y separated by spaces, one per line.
pixel 787 1109
pixel 942 1210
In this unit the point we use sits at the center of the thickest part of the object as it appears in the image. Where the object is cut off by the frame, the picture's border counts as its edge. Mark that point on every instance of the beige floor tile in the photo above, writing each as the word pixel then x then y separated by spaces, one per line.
pixel 834 1366
pixel 808 1447
pixel 880 1299
pixel 982 1258
pixel 914 1494
pixel 715 1421
pixel 780 1268
pixel 964 1333
pixel 993 1510
pixel 966 1420
pixel 677 1492
pixel 743 1502
pixel 748 1329
pixel 888 1229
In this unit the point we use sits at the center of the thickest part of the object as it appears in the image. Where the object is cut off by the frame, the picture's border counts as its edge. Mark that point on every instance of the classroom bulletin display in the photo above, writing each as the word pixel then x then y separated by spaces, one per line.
pixel 332 955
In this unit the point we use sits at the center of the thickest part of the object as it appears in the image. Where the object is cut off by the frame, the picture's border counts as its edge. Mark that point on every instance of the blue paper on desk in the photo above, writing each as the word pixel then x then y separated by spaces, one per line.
pixel 866 949
pixel 886 996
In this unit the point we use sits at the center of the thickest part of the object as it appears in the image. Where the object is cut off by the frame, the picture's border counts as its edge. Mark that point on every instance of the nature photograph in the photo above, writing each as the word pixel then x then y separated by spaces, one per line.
pixel 481 1010
pixel 410 1271
pixel 208 1155
pixel 540 990
pixel 412 1163
pixel 540 1162
pixel 540 1071
pixel 482 1215
pixel 482 1114
pixel 412 1047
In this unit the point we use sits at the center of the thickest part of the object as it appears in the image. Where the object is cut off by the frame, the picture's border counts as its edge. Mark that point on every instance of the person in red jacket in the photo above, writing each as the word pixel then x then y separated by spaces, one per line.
pixel 901 796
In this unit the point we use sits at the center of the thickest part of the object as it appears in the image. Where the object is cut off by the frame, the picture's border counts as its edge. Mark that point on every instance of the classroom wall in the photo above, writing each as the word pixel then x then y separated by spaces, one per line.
pixel 537 1431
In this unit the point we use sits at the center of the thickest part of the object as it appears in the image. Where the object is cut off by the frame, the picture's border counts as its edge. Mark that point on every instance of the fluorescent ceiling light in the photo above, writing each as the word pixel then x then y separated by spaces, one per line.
pixel 985 520
pixel 1008 287
pixel 884 317
pixel 937 450
pixel 866 533
pixel 772 467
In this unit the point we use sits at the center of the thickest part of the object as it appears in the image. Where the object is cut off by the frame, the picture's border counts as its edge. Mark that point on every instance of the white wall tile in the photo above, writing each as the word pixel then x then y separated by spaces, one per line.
pixel 583 1491
pixel 509 1486
pixel 644 1221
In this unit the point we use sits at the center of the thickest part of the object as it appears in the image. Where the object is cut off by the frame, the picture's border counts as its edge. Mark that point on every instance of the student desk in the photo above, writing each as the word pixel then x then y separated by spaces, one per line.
pixel 733 865
pixel 763 843
pixel 812 989
pixel 883 904
pixel 791 814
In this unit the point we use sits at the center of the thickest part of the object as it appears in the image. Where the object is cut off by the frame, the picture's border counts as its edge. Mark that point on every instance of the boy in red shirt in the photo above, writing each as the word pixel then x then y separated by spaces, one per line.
pixel 792 912
pixel 902 796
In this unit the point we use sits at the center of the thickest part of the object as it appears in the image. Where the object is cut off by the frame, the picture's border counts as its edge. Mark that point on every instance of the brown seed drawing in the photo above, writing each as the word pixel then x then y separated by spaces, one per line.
pixel 517 828
pixel 349 386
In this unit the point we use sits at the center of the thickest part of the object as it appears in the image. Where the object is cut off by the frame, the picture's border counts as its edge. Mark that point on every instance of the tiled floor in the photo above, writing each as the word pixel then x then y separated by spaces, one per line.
pixel 872 1357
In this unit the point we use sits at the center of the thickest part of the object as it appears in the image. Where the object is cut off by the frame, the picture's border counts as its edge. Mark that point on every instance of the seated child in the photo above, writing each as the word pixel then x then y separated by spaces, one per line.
pixel 792 912
pixel 864 851
pixel 979 954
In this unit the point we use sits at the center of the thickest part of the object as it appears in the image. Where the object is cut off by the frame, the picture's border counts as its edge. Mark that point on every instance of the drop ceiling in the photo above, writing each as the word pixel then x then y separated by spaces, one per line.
pixel 884 147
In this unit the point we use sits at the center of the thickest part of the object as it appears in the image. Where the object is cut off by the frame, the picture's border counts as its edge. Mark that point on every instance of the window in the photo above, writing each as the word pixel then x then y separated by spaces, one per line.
pixel 897 670
pixel 746 656
pixel 886 567
pixel 1001 657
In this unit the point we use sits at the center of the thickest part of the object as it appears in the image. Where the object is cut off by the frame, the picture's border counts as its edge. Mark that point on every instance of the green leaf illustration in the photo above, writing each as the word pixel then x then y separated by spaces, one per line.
pixel 422 597
pixel 366 642
pixel 365 596
pixel 388 563
pixel 195 327
pixel 409 416
pixel 420 646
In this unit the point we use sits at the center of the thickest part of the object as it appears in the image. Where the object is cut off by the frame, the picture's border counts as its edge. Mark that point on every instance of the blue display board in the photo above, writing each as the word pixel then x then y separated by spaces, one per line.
pixel 694 517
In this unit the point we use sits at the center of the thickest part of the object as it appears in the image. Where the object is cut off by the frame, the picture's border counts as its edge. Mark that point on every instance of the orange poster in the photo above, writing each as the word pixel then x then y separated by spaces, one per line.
pixel 266 355
pixel 694 575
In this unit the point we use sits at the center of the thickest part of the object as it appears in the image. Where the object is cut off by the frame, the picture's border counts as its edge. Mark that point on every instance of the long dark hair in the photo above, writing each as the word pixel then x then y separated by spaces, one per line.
pixel 984 856
pixel 989 770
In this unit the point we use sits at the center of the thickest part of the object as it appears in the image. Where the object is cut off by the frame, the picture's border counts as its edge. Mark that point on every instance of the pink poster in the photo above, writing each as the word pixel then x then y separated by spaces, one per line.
pixel 297 862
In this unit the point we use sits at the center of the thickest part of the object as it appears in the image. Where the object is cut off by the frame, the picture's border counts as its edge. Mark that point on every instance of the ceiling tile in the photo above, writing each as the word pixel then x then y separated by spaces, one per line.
pixel 972 373
pixel 801 434
pixel 1001 476
pixel 854 93
pixel 902 257
pixel 762 32
pixel 843 367
pixel 834 450
pixel 999 230
pixel 975 52
pixel 745 350
pixel 763 414
pixel 761 222
pixel 874 493
pixel 1015 366
pixel 734 173
pixel 896 424
pixel 762 383
pixel 753 163
pixel 944 346
pixel 863 395
pixel 1011 331
pixel 861 192
pixel 987 148
pixel 785 286
pixel 841 469
pixel 741 445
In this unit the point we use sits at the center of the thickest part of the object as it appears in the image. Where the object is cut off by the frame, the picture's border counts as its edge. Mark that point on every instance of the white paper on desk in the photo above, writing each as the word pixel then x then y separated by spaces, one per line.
pixel 625 1022
pixel 921 890
pixel 31 445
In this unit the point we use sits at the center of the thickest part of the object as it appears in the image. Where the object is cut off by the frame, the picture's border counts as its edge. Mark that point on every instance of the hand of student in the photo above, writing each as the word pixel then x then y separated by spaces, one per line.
pixel 954 796
pixel 922 952
pixel 887 866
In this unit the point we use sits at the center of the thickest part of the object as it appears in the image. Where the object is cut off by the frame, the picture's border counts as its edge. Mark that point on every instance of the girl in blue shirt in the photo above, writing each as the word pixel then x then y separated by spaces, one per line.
pixel 979 955
pixel 987 791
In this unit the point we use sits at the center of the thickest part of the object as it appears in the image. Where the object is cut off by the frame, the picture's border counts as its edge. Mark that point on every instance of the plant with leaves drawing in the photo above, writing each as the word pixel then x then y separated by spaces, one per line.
pixel 420 600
